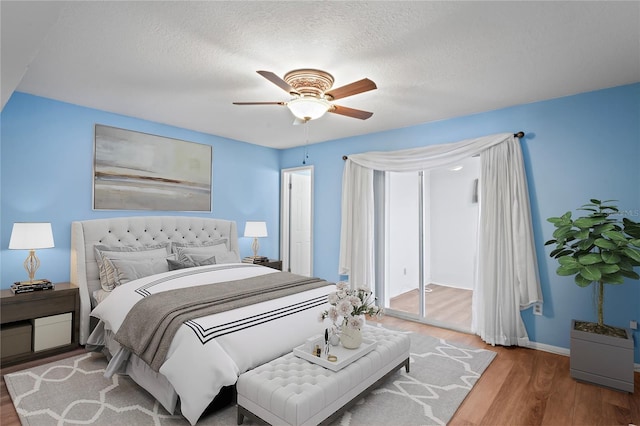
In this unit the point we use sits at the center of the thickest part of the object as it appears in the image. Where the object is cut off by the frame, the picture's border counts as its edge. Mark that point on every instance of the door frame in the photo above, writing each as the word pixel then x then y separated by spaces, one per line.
pixel 285 210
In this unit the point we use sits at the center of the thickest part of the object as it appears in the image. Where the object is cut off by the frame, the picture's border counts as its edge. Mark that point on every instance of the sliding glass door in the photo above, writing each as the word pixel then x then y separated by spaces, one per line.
pixel 403 265
pixel 431 222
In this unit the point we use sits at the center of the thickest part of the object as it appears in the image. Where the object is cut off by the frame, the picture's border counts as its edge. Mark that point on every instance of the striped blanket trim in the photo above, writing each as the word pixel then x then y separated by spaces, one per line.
pixel 144 289
pixel 207 334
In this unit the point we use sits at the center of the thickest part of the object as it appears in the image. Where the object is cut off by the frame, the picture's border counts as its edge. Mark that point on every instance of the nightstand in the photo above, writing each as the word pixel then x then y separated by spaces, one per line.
pixel 272 263
pixel 38 324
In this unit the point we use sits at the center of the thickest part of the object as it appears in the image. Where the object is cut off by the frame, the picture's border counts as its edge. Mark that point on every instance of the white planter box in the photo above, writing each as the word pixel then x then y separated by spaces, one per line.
pixel 602 360
pixel 53 331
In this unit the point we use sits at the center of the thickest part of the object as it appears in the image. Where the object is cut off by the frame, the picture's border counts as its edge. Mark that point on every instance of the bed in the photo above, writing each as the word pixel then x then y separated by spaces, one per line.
pixel 117 263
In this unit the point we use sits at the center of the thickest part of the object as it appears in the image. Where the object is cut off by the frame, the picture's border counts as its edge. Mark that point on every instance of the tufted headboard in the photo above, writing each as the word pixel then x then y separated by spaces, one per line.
pixel 134 231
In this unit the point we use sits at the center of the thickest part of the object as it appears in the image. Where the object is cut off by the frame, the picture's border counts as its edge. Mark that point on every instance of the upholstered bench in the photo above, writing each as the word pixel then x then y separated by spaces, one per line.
pixel 290 390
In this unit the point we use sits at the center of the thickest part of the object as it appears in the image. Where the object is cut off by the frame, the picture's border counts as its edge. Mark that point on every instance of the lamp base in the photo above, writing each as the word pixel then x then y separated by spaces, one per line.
pixel 33 282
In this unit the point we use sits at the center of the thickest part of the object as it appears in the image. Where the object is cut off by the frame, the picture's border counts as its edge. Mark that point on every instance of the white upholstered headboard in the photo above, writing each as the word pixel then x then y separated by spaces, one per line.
pixel 134 231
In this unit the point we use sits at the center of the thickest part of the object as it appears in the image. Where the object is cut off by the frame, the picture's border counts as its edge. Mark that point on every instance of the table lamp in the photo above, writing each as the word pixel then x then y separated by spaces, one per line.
pixel 256 230
pixel 31 236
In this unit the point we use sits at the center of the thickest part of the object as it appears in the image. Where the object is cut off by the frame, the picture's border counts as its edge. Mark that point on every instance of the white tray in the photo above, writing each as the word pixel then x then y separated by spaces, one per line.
pixel 345 356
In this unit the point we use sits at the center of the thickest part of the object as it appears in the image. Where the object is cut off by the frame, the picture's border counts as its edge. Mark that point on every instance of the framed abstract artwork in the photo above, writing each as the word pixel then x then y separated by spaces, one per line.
pixel 139 171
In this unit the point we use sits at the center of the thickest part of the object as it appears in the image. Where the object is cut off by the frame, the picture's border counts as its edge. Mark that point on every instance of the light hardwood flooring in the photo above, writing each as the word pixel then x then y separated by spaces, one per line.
pixel 520 387
pixel 446 305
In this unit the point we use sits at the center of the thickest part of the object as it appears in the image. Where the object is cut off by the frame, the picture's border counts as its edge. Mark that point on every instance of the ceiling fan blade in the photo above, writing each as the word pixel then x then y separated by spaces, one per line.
pixel 259 103
pixel 278 82
pixel 350 112
pixel 351 89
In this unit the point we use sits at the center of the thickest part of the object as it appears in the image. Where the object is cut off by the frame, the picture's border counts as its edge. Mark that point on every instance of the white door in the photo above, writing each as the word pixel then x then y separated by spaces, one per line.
pixel 300 224
pixel 296 225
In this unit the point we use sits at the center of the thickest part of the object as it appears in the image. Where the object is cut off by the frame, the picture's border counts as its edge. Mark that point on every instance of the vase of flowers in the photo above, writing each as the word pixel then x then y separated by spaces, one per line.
pixel 347 311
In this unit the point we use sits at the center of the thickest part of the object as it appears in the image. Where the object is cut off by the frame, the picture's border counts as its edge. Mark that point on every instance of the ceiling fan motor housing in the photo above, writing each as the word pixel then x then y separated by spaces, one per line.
pixel 309 82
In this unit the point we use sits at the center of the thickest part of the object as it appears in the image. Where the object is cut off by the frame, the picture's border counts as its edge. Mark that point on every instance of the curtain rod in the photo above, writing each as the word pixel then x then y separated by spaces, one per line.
pixel 520 135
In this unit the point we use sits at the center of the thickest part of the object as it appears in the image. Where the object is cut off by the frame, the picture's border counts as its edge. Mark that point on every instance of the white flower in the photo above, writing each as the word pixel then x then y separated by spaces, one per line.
pixel 333 314
pixel 354 322
pixel 342 286
pixel 344 307
pixel 350 305
pixel 355 301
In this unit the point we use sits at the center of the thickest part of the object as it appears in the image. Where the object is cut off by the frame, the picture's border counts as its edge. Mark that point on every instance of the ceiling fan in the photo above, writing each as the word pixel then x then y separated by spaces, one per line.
pixel 311 94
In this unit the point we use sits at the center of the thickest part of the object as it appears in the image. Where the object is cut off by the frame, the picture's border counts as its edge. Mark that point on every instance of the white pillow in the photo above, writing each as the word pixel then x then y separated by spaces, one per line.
pixel 216 241
pixel 228 257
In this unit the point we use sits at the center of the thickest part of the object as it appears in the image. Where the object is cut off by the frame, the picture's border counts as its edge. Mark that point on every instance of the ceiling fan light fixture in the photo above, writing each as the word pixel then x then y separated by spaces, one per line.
pixel 308 108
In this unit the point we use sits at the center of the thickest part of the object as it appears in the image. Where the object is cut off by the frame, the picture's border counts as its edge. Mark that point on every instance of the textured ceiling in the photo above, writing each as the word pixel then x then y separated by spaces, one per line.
pixel 183 63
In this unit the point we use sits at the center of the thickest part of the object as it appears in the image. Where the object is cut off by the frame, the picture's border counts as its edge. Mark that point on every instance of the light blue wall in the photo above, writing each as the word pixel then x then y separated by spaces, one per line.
pixel 46 161
pixel 576 148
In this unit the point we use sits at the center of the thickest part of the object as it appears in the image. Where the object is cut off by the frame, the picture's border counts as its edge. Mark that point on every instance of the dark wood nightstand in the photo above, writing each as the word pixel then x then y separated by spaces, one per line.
pixel 272 263
pixel 39 312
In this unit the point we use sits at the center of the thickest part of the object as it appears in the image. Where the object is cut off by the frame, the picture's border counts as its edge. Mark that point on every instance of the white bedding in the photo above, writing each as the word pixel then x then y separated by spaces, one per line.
pixel 211 352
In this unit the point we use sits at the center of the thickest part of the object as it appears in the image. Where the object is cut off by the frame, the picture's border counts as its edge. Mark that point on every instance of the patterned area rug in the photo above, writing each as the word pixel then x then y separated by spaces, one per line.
pixel 74 391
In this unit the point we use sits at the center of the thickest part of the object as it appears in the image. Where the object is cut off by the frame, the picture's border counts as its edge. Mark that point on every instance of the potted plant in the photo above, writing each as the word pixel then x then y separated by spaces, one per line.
pixel 602 247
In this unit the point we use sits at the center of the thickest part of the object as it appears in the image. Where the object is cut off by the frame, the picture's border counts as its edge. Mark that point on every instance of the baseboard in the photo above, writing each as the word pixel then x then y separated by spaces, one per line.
pixel 448 285
pixel 563 351
pixel 549 348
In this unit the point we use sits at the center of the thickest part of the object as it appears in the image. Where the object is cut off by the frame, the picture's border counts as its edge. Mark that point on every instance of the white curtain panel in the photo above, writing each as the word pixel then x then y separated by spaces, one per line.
pixel 507 278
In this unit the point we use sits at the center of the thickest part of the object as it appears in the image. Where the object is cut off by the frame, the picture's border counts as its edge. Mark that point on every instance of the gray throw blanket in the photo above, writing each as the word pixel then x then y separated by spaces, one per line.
pixel 150 325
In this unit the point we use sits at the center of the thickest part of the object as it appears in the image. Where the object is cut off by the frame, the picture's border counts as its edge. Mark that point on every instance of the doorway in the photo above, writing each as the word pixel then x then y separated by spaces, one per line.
pixel 296 227
pixel 431 233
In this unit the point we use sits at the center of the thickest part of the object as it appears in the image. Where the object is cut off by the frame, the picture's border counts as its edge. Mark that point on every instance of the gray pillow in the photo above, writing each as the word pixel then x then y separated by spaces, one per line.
pixel 201 252
pixel 124 270
pixel 102 252
pixel 189 263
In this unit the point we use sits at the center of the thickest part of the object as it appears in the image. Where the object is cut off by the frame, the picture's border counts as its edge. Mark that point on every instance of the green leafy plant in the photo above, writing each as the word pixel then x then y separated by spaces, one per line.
pixel 597 248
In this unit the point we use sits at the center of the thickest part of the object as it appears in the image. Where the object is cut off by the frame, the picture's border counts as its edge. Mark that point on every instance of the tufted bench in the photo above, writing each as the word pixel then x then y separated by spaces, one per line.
pixel 290 390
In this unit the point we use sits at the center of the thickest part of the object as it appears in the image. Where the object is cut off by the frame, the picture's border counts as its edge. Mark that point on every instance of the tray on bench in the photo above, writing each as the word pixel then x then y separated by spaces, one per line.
pixel 345 356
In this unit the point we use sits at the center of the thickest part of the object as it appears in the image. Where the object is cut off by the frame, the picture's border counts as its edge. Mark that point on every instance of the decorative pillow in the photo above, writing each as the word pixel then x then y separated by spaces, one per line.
pixel 124 270
pixel 201 252
pixel 189 263
pixel 228 257
pixel 102 252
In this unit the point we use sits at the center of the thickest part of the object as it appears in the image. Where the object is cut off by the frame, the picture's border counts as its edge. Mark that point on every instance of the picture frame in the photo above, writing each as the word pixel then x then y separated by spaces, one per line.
pixel 140 171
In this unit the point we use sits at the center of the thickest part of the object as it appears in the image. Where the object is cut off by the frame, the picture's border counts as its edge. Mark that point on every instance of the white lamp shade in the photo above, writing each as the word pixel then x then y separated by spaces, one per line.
pixel 308 108
pixel 31 235
pixel 255 229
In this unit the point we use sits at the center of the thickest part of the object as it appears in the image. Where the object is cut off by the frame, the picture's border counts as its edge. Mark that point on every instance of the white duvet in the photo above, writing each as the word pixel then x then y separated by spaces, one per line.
pixel 211 352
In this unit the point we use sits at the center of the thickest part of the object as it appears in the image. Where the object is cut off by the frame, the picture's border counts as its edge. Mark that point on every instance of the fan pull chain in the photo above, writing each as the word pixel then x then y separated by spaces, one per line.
pixel 306 143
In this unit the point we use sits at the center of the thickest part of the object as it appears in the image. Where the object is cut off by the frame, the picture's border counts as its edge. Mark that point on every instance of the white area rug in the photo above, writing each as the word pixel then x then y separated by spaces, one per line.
pixel 74 391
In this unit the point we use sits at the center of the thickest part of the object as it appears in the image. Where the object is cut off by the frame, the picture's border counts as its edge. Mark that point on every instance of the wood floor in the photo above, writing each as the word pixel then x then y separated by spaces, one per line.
pixel 520 387
pixel 446 305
